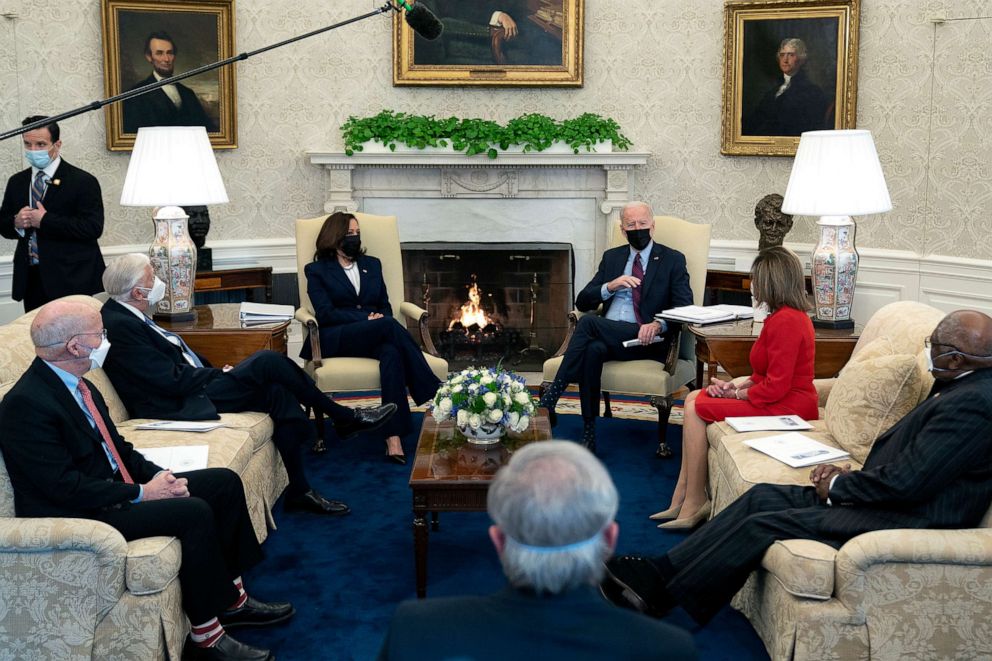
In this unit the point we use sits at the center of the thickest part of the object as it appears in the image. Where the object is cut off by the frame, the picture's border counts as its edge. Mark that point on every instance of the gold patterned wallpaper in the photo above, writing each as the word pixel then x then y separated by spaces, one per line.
pixel 654 66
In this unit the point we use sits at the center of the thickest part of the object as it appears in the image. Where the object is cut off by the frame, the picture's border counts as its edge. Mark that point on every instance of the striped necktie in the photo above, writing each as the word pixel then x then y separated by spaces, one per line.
pixel 101 425
pixel 181 343
pixel 38 187
pixel 638 272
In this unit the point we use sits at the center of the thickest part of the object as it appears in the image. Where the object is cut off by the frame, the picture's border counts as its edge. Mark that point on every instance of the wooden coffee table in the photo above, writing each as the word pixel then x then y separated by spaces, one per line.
pixel 452 475
pixel 218 334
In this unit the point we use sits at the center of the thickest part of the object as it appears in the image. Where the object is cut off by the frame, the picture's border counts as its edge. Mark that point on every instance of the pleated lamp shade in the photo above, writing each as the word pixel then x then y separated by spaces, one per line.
pixel 172 165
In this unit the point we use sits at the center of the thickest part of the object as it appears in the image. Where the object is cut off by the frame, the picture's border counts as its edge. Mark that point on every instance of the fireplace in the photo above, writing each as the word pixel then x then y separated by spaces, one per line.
pixel 492 302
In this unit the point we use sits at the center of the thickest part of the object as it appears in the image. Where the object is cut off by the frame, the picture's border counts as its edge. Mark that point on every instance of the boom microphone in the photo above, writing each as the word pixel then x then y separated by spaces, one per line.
pixel 422 20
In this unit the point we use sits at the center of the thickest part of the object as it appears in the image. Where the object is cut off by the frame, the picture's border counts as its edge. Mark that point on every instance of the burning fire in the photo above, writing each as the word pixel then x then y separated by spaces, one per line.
pixel 471 312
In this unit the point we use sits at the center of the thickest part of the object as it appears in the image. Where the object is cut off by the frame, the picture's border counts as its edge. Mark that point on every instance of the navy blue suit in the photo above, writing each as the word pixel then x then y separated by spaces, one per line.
pixel 346 330
pixel 517 624
pixel 597 340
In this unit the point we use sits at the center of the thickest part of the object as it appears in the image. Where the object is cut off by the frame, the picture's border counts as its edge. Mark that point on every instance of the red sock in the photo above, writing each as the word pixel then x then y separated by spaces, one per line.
pixel 242 595
pixel 206 634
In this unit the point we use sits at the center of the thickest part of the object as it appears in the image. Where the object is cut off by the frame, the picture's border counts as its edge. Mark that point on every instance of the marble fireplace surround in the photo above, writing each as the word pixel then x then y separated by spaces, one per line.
pixel 444 196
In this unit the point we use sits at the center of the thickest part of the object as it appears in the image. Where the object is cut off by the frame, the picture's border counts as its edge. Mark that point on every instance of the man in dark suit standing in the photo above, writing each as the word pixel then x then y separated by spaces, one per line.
pixel 633 284
pixel 795 104
pixel 932 469
pixel 158 376
pixel 55 213
pixel 553 508
pixel 65 458
pixel 171 105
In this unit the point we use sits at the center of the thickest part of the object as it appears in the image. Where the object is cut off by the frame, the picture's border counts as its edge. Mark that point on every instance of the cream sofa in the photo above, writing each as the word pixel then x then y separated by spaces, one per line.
pixel 73 588
pixel 891 594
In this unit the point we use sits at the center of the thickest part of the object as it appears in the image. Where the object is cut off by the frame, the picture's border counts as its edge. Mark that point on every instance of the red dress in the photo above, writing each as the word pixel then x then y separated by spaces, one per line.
pixel 782 360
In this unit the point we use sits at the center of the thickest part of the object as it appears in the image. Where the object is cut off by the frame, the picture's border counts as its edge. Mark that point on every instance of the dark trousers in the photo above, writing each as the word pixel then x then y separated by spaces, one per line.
pixel 713 563
pixel 271 383
pixel 402 365
pixel 213 528
pixel 34 291
pixel 595 341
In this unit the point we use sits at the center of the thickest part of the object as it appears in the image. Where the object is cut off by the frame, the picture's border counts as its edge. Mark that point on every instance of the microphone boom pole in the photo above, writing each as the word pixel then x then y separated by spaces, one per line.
pixel 138 91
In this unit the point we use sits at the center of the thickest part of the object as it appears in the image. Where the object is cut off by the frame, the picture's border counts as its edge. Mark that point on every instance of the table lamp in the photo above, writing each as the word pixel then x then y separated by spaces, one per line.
pixel 172 167
pixel 836 175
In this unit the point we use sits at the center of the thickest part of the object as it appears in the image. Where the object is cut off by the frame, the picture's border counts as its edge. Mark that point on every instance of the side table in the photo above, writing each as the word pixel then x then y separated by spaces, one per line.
pixel 256 277
pixel 218 334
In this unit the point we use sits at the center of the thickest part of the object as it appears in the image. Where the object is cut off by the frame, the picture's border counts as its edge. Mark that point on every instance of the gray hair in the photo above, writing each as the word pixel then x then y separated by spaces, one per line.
pixel 123 274
pixel 58 331
pixel 635 204
pixel 553 494
pixel 796 43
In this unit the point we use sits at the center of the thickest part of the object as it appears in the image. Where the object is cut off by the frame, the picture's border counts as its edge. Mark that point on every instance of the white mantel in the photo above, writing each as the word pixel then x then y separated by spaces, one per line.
pixel 445 196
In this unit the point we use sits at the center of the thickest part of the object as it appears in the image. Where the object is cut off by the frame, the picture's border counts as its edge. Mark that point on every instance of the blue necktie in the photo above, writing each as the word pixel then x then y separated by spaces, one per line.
pixel 185 347
pixel 38 188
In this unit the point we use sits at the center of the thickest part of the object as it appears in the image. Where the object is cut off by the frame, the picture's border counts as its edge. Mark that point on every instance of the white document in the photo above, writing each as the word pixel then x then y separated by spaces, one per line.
pixel 710 314
pixel 769 423
pixel 259 311
pixel 796 450
pixel 181 425
pixel 636 343
pixel 178 458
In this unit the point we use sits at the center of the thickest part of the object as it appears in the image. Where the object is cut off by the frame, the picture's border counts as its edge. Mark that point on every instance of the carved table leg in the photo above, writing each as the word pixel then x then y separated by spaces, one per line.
pixel 420 533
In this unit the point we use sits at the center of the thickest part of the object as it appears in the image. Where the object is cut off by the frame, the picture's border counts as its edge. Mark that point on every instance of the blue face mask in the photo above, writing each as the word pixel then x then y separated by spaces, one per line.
pixel 39 158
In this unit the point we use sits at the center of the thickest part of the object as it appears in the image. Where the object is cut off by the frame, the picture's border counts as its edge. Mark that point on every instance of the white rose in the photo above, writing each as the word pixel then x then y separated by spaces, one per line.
pixel 457 389
pixel 445 406
pixel 474 373
pixel 522 398
pixel 486 380
pixel 456 380
pixel 522 424
pixel 514 419
pixel 473 388
pixel 474 420
pixel 516 386
pixel 444 391
pixel 490 399
pixel 462 418
pixel 495 415
pixel 507 400
pixel 438 415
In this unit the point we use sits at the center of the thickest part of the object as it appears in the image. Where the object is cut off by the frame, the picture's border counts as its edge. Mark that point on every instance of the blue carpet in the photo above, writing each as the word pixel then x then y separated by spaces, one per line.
pixel 347 575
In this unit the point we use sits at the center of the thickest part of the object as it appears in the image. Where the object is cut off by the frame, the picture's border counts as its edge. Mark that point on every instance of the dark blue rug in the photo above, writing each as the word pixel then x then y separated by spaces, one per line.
pixel 347 575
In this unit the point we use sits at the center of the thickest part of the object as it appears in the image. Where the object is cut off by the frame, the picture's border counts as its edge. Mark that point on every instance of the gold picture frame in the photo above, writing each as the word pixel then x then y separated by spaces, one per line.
pixel 765 39
pixel 474 49
pixel 201 32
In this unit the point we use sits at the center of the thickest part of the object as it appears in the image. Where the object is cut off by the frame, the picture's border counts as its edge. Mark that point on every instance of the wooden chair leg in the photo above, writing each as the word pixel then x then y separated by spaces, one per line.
pixel 319 447
pixel 607 410
pixel 664 406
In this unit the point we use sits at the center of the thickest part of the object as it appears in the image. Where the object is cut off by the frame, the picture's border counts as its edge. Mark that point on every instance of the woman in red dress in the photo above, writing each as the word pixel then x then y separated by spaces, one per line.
pixel 781 383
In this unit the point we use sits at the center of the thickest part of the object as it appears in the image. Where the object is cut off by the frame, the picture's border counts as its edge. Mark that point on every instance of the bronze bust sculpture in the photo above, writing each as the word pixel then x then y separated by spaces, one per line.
pixel 772 224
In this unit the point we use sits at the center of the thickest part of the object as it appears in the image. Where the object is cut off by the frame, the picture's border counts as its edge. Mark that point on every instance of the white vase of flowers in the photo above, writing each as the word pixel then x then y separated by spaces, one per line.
pixel 484 403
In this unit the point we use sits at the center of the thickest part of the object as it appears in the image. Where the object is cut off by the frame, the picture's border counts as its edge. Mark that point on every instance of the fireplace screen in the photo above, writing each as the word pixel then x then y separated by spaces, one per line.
pixel 492 302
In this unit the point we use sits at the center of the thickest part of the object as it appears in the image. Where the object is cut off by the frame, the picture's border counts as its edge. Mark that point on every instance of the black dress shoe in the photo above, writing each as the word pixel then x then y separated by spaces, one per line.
pixel 257 614
pixel 229 649
pixel 396 458
pixel 634 582
pixel 311 501
pixel 366 419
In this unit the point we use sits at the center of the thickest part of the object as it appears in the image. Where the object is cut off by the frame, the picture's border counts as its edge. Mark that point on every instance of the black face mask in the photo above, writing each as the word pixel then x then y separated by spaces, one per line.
pixel 351 246
pixel 639 239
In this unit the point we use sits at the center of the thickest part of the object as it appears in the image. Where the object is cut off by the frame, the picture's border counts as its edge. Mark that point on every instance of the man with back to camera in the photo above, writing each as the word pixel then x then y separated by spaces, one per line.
pixel 54 211
pixel 172 105
pixel 158 376
pixel 633 283
pixel 793 105
pixel 932 469
pixel 65 458
pixel 553 509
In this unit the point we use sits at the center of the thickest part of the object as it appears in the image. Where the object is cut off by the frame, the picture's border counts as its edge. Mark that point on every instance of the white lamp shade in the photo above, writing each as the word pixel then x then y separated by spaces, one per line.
pixel 836 173
pixel 172 165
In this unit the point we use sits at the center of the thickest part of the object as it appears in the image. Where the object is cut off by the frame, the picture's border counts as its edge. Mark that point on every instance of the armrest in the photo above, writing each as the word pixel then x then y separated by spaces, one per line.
pixel 312 331
pixel 573 319
pixel 955 550
pixel 823 388
pixel 152 563
pixel 419 314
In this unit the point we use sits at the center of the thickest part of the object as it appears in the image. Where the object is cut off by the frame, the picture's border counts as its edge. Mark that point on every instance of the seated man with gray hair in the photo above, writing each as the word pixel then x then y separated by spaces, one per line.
pixel 158 376
pixel 553 508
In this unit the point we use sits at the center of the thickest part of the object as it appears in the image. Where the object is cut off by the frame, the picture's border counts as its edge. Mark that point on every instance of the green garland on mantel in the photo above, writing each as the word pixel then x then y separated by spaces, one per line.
pixel 535 132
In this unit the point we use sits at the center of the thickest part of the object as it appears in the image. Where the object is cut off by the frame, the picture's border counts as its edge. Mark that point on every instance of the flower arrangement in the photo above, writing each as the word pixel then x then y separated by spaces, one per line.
pixel 484 399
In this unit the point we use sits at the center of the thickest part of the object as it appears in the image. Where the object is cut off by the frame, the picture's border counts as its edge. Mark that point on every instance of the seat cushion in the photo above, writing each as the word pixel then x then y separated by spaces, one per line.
pixel 152 563
pixel 804 568
pixel 346 374
pixel 869 396
pixel 636 377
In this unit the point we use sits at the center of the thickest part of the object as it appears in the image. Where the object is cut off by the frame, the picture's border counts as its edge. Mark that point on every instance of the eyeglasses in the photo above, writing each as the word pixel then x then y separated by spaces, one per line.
pixel 102 334
pixel 930 343
pixel 954 350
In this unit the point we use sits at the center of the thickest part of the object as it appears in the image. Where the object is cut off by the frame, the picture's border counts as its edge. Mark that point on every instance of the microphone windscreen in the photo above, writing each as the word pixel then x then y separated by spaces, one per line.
pixel 422 21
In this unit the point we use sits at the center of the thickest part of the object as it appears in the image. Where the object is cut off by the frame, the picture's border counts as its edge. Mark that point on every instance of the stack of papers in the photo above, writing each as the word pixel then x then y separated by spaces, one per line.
pixel 265 313
pixel 180 425
pixel 179 458
pixel 796 450
pixel 636 343
pixel 709 314
pixel 769 423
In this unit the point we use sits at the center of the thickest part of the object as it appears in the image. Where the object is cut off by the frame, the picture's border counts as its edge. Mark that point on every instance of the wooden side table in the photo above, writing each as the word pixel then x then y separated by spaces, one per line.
pixel 256 277
pixel 729 346
pixel 452 475
pixel 218 335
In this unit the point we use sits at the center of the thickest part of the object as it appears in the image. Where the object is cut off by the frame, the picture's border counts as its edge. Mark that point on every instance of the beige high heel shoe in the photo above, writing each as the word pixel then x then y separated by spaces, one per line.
pixel 670 513
pixel 688 523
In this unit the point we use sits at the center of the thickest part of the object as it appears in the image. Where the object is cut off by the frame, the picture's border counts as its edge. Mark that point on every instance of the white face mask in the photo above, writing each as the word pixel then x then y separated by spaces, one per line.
pixel 99 355
pixel 156 293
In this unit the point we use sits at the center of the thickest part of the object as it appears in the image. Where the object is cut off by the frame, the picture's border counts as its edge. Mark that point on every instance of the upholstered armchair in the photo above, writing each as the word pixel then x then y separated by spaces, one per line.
pixel 648 378
pixel 381 238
